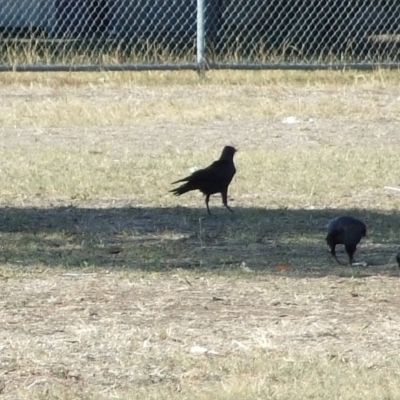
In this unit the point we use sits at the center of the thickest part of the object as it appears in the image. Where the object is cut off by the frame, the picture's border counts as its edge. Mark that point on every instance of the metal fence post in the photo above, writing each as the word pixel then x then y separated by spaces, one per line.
pixel 201 35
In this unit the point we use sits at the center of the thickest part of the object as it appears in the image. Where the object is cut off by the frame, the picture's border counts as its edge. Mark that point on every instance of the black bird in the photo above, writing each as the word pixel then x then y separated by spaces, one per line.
pixel 348 231
pixel 213 179
pixel 398 258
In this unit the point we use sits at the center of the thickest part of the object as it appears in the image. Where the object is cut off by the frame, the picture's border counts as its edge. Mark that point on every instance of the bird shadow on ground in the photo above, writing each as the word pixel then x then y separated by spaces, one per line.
pixel 157 239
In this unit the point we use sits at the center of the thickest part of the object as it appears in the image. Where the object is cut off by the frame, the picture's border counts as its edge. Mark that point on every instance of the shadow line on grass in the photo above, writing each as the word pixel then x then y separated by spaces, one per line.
pixel 157 239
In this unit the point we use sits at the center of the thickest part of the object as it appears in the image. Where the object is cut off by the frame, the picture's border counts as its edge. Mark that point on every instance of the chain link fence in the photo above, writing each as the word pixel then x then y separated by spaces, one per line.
pixel 179 34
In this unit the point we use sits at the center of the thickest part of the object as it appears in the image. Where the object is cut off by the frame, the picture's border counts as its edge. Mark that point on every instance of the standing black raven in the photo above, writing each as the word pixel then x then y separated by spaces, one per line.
pixel 213 179
pixel 398 258
pixel 348 231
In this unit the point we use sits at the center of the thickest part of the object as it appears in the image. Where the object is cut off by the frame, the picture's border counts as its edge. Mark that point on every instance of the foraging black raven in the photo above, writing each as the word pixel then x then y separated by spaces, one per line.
pixel 213 179
pixel 398 258
pixel 345 230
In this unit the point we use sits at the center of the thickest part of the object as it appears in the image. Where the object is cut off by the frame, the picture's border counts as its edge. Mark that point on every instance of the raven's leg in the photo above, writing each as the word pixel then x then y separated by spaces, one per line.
pixel 350 250
pixel 333 252
pixel 224 195
pixel 207 200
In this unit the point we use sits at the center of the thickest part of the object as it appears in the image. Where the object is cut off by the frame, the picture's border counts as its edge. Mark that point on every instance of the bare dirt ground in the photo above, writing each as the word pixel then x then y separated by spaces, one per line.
pixel 108 282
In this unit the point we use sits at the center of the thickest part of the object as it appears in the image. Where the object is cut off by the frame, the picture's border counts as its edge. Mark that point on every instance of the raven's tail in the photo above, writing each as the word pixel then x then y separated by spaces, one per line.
pixel 182 189
pixel 180 180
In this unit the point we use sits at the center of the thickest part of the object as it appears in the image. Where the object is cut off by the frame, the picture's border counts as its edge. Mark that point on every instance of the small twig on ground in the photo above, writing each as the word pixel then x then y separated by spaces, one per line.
pixel 392 188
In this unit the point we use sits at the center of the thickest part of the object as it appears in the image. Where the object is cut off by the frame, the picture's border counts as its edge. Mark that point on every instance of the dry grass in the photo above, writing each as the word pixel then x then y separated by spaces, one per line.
pixel 87 162
pixel 126 336
pixel 126 99
pixel 157 79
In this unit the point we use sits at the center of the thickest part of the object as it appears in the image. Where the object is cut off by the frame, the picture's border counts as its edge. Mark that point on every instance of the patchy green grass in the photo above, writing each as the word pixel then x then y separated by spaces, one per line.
pixel 108 282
